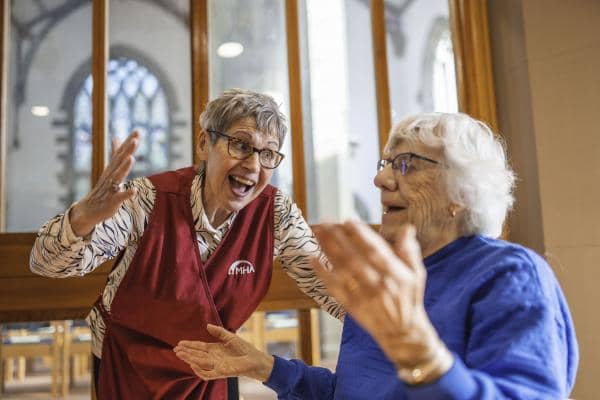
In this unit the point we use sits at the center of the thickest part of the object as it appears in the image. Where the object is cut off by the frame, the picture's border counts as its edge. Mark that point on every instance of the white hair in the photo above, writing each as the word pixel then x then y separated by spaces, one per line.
pixel 478 176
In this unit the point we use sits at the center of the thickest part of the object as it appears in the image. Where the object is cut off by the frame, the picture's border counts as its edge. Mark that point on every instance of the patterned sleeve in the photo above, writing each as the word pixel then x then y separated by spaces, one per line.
pixel 59 253
pixel 295 244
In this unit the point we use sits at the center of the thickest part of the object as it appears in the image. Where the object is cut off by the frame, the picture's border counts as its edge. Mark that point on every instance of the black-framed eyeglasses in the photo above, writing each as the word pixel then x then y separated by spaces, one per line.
pixel 240 150
pixel 402 162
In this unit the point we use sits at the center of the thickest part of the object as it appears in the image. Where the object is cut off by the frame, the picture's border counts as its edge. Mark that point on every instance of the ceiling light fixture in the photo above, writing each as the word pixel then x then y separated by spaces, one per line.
pixel 40 111
pixel 230 49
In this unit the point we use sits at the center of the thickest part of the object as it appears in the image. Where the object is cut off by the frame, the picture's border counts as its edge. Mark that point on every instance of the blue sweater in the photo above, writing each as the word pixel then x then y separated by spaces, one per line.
pixel 496 305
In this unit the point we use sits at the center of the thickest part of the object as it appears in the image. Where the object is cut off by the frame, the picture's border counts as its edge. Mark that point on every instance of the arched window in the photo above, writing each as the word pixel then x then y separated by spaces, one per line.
pixel 137 101
pixel 444 75
pixel 438 88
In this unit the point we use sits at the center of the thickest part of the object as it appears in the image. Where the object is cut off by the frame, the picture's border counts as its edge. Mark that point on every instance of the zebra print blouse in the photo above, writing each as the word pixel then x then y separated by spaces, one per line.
pixel 59 253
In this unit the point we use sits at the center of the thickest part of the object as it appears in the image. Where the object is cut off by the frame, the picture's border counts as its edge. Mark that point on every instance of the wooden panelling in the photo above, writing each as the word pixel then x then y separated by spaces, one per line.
pixel 25 296
pixel 382 90
pixel 14 255
pixel 38 298
pixel 284 294
pixel 200 71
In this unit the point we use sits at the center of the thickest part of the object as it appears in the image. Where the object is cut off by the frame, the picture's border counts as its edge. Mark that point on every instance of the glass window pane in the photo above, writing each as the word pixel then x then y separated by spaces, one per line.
pixel 48 106
pixel 32 353
pixel 149 82
pixel 420 58
pixel 247 49
pixel 340 110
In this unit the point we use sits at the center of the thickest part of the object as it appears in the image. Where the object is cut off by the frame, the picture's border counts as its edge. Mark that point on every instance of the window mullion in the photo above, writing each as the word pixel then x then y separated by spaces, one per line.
pixel 200 72
pixel 99 68
pixel 296 127
pixel 4 44
pixel 382 91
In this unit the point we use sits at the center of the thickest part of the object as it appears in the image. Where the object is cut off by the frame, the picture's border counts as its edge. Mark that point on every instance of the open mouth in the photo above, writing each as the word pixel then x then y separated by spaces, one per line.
pixel 240 186
pixel 391 209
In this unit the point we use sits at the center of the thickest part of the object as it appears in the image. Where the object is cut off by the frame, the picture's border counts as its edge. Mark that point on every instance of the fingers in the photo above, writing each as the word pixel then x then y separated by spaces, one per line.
pixel 204 368
pixel 122 152
pixel 200 358
pixel 131 139
pixel 114 146
pixel 122 168
pixel 374 250
pixel 193 344
pixel 346 261
pixel 195 354
pixel 127 194
pixel 358 252
pixel 119 166
pixel 221 333
pixel 328 279
pixel 407 248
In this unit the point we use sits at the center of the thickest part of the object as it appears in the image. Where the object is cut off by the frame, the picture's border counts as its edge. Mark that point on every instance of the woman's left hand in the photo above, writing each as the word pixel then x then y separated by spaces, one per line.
pixel 382 287
pixel 229 356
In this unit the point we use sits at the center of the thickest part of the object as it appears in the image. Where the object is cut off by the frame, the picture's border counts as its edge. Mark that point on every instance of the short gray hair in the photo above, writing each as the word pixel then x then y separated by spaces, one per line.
pixel 236 104
pixel 478 176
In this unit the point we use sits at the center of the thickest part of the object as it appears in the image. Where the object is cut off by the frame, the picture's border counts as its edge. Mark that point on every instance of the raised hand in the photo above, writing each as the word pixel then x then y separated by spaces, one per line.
pixel 382 287
pixel 229 356
pixel 105 198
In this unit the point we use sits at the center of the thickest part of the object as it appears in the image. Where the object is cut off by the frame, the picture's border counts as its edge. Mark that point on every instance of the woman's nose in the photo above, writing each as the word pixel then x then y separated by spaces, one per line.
pixel 385 179
pixel 253 162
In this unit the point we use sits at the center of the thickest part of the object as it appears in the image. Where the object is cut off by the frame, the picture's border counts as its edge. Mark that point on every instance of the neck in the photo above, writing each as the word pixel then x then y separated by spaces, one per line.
pixel 215 214
pixel 432 245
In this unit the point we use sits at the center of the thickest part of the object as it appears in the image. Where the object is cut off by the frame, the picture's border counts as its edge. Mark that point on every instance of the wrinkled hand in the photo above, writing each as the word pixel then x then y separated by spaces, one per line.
pixel 105 198
pixel 382 287
pixel 229 356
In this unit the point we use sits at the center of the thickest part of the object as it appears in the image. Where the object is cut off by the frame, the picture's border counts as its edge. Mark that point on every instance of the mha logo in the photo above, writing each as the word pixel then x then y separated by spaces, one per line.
pixel 241 267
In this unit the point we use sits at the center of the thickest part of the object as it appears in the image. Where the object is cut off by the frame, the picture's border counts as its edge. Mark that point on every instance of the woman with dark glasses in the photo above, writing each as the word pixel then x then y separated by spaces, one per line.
pixel 192 247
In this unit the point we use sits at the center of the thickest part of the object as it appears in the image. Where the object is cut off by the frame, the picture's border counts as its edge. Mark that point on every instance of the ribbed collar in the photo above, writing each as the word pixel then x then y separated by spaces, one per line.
pixel 447 251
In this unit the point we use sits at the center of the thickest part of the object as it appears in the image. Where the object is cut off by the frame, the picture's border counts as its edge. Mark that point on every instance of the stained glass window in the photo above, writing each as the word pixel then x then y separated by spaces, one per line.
pixel 136 101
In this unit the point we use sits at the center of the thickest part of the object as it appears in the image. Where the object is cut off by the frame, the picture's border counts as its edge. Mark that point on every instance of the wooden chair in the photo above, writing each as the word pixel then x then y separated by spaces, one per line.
pixel 264 328
pixel 20 342
pixel 80 351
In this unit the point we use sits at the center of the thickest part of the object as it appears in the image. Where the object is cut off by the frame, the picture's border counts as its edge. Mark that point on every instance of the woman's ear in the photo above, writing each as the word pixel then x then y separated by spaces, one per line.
pixel 202 145
pixel 455 209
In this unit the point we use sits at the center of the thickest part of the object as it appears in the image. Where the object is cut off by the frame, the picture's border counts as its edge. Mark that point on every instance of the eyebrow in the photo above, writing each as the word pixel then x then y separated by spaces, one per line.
pixel 250 134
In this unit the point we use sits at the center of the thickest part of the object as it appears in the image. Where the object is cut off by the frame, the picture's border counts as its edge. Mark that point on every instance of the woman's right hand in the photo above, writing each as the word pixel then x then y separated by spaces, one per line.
pixel 105 198
pixel 229 356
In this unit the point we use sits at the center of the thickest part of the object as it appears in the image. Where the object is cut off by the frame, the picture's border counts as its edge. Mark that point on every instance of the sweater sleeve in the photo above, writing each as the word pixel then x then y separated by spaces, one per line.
pixel 59 253
pixel 521 342
pixel 294 380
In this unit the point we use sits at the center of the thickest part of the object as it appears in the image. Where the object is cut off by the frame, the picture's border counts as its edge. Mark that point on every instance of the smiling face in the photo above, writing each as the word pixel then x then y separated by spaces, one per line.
pixel 419 197
pixel 231 184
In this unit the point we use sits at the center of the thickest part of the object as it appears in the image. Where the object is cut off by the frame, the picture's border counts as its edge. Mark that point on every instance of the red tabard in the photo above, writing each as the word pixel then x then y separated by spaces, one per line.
pixel 168 294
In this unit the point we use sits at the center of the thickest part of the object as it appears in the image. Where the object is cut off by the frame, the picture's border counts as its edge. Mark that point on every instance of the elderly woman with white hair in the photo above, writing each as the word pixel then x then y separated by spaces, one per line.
pixel 192 246
pixel 439 308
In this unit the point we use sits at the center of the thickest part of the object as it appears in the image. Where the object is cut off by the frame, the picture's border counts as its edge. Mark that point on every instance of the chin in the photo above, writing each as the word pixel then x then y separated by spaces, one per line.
pixel 387 233
pixel 237 204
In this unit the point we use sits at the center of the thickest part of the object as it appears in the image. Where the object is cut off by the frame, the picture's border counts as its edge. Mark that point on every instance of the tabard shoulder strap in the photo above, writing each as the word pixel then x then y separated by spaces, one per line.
pixel 177 182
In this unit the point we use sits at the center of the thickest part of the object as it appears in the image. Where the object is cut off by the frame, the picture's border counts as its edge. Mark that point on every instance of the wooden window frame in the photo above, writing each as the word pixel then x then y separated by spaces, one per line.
pixel 27 297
